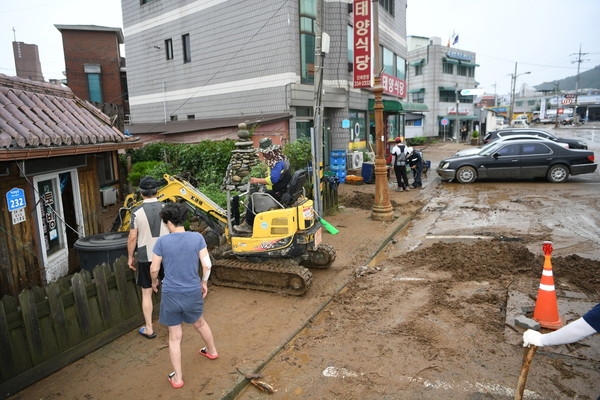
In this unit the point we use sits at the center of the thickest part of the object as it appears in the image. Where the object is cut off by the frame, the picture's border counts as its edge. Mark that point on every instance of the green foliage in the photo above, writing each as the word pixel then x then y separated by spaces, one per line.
pixel 141 169
pixel 214 192
pixel 258 171
pixel 299 153
pixel 475 134
pixel 417 141
pixel 207 160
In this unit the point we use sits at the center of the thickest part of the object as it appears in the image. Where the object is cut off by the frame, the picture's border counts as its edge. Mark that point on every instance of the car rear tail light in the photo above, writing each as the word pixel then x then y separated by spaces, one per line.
pixel 591 158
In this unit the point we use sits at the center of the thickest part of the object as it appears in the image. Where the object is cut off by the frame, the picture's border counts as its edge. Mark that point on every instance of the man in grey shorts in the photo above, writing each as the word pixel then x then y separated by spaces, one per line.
pixel 146 227
pixel 183 291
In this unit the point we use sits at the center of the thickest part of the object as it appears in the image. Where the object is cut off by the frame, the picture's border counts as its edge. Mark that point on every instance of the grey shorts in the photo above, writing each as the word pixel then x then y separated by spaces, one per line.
pixel 176 308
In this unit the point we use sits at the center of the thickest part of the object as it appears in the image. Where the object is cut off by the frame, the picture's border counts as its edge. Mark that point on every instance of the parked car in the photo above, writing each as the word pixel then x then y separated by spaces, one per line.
pixel 525 158
pixel 475 150
pixel 493 135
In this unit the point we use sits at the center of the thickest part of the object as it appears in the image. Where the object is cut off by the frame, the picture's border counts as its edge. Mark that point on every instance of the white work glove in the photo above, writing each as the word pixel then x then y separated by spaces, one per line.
pixel 531 337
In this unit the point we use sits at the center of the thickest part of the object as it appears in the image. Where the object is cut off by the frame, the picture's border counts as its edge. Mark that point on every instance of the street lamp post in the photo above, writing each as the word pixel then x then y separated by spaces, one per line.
pixel 382 207
pixel 513 85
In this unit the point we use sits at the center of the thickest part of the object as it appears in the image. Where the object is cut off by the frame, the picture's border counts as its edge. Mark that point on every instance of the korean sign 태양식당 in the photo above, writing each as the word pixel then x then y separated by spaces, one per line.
pixel 363 71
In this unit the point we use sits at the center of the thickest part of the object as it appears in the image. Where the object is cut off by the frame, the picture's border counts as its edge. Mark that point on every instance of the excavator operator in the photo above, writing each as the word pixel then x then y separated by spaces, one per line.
pixel 276 181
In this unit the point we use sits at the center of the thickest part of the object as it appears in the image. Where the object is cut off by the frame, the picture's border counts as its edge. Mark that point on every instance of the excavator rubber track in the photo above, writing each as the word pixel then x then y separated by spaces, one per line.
pixel 272 276
pixel 320 258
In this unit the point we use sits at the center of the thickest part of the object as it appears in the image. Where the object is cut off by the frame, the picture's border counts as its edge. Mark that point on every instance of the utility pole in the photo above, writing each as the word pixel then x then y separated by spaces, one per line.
pixel 317 136
pixel 382 208
pixel 513 87
pixel 579 60
pixel 456 114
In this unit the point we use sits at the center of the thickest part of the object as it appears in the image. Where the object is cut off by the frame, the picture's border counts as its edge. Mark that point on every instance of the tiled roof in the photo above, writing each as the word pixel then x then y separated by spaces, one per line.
pixel 38 114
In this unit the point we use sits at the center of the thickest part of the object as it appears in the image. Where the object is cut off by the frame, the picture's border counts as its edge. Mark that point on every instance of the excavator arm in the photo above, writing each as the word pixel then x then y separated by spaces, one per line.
pixel 175 189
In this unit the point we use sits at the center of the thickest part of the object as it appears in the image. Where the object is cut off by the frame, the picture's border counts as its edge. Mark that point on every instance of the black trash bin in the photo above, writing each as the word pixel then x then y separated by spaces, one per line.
pixel 102 248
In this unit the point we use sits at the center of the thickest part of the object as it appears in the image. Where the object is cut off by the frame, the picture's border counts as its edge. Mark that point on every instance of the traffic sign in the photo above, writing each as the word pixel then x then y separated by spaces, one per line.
pixel 472 92
pixel 444 121
pixel 15 198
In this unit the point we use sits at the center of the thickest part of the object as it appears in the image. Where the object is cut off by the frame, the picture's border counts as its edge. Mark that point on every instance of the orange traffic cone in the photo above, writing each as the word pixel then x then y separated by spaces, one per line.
pixel 546 306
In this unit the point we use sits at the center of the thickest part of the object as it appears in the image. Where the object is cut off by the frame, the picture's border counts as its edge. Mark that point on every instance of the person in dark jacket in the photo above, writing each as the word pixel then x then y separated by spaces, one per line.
pixel 276 181
pixel 415 162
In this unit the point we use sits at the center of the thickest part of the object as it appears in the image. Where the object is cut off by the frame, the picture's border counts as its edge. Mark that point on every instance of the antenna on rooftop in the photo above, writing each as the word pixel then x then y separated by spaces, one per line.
pixel 14 34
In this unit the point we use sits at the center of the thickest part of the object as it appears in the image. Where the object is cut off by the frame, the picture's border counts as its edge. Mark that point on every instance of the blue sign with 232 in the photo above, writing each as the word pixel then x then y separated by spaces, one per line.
pixel 15 198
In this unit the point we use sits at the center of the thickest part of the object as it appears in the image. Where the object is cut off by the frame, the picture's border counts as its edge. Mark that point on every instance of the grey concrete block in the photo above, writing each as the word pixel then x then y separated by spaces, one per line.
pixel 527 323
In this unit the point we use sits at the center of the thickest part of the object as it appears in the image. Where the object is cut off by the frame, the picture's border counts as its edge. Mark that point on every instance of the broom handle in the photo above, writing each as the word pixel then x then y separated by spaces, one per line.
pixel 527 358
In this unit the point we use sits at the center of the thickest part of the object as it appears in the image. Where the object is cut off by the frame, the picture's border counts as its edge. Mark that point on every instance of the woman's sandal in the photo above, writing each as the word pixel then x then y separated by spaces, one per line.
pixel 205 353
pixel 172 382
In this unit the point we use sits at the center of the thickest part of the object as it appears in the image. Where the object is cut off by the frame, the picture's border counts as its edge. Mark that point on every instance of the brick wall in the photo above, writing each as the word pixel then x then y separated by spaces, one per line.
pixel 98 48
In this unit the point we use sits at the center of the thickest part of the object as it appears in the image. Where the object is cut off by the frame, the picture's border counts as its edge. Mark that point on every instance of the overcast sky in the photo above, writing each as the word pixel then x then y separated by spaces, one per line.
pixel 540 35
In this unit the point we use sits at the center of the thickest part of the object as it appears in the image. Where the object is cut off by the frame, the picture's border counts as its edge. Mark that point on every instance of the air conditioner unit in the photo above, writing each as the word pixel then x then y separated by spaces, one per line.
pixel 109 196
pixel 355 160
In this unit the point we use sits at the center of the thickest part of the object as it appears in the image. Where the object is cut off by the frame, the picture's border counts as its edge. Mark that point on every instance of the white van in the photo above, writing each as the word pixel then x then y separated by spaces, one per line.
pixel 519 123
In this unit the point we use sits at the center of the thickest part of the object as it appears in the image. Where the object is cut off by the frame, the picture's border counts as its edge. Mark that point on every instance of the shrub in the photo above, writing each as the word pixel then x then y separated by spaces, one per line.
pixel 299 153
pixel 417 141
pixel 475 134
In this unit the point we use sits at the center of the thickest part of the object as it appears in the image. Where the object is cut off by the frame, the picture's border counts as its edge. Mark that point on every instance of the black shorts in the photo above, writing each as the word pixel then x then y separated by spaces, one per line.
pixel 143 274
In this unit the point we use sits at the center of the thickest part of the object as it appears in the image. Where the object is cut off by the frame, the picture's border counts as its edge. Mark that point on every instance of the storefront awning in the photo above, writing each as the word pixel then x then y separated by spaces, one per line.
pixel 400 106
pixel 468 64
pixel 419 62
pixel 452 117
pixel 448 88
pixel 416 90
pixel 450 61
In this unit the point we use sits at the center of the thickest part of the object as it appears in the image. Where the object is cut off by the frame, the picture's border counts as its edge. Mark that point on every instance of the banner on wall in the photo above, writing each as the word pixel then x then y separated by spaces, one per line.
pixel 363 44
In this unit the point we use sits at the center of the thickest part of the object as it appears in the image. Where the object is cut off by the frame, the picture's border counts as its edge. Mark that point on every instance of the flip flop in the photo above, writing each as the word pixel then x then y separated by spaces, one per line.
pixel 205 353
pixel 144 334
pixel 175 385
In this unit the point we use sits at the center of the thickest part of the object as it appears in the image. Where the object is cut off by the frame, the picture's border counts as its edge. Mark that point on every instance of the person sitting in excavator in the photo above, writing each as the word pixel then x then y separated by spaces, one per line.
pixel 276 181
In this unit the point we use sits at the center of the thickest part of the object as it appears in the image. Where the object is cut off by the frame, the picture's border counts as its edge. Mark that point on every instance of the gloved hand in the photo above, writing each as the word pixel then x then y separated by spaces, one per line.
pixel 531 337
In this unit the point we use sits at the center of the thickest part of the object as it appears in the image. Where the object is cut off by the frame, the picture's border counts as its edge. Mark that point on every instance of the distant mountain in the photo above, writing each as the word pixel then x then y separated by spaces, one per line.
pixel 587 80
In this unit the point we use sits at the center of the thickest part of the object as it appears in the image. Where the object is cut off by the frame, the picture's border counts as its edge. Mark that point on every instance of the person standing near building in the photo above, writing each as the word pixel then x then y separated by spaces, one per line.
pixel 415 162
pixel 145 229
pixel 399 154
pixel 183 291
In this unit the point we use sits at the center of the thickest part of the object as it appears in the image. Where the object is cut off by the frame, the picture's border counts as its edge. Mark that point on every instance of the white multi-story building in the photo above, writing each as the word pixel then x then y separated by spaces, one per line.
pixel 197 65
pixel 436 75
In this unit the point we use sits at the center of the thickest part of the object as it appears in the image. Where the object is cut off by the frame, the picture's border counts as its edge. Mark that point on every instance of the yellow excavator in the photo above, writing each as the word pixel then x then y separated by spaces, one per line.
pixel 286 236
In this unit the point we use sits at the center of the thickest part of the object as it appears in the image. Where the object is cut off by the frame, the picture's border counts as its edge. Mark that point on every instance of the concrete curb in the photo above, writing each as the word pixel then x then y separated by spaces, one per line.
pixel 242 382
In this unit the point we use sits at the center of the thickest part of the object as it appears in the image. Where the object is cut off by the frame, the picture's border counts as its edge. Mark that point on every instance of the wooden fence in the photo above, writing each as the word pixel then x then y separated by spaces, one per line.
pixel 48 328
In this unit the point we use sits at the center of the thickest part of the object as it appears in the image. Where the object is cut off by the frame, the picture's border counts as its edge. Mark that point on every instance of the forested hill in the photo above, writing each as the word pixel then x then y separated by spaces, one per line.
pixel 587 80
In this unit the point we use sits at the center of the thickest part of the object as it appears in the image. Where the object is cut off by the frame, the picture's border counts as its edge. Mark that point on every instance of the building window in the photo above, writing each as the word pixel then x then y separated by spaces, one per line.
pixel 461 70
pixel 308 15
pixel 387 61
pixel 106 173
pixel 531 102
pixel 173 118
pixel 519 103
pixel 400 68
pixel 465 99
pixel 187 50
pixel 94 82
pixel 418 97
pixel 418 69
pixel 350 48
pixel 447 68
pixel 447 96
pixel 191 117
pixel 169 49
pixel 387 5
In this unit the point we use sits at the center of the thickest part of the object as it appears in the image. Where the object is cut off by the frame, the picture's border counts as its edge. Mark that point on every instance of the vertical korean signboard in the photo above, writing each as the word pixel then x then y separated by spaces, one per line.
pixel 363 44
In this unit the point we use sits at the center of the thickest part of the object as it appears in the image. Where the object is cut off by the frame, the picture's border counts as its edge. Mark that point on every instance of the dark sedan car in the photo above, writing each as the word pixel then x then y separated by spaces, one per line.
pixel 493 135
pixel 519 159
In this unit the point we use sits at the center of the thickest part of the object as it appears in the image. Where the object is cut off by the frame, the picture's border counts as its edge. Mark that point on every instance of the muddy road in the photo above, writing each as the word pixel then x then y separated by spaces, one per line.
pixel 433 316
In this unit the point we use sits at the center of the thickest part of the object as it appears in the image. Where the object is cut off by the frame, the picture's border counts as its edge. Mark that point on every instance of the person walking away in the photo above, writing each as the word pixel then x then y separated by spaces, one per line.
pixel 276 181
pixel 399 153
pixel 183 291
pixel 146 227
pixel 415 161
pixel 570 333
